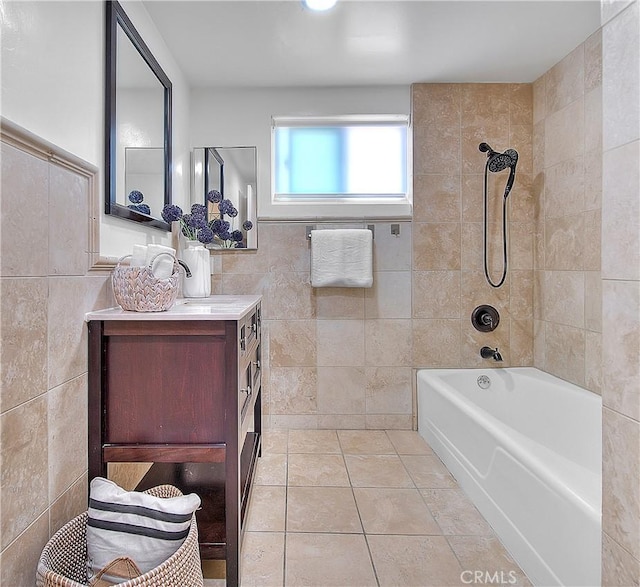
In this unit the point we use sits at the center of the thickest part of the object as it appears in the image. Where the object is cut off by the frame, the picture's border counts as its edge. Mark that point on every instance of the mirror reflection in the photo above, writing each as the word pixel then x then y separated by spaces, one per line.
pixel 138 126
pixel 225 180
pixel 144 179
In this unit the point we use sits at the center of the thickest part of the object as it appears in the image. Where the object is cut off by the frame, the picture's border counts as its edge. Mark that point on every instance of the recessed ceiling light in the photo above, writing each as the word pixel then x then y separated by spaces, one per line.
pixel 319 4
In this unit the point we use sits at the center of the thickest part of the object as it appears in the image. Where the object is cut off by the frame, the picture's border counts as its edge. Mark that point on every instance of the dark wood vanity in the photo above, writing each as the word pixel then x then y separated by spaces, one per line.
pixel 182 389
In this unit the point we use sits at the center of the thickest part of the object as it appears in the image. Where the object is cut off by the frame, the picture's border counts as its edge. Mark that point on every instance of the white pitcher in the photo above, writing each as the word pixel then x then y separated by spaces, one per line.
pixel 197 259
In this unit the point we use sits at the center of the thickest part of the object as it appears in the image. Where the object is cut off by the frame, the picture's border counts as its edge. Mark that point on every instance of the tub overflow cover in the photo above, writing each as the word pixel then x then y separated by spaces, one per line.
pixel 484 382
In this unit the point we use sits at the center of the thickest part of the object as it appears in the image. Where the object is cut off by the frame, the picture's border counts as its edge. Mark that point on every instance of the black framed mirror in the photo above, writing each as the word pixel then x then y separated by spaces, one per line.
pixel 137 125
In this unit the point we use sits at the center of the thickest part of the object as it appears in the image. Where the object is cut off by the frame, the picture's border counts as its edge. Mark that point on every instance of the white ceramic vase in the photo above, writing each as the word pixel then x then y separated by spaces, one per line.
pixel 197 259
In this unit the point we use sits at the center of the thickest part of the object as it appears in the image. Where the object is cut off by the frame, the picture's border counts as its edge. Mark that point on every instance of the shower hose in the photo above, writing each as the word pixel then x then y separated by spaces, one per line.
pixel 504 233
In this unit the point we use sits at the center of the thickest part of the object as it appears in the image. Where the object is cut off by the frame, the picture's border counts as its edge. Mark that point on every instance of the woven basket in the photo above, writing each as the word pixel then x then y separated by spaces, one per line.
pixel 63 562
pixel 139 290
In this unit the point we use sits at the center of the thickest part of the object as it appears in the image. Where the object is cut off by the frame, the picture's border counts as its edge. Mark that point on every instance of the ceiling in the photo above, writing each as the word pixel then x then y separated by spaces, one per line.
pixel 279 43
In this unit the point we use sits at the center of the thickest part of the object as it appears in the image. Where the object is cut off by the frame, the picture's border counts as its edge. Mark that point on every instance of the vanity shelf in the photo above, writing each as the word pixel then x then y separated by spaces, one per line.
pixel 182 390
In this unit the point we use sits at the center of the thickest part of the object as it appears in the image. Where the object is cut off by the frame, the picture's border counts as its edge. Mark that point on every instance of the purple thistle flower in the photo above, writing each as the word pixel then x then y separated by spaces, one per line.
pixel 225 225
pixel 247 225
pixel 205 235
pixel 237 235
pixel 215 225
pixel 171 213
pixel 199 209
pixel 225 236
pixel 195 221
pixel 214 196
pixel 135 197
pixel 225 206
pixel 232 212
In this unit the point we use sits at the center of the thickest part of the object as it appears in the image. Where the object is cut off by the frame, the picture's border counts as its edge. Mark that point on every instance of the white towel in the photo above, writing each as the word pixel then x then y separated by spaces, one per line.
pixel 139 257
pixel 162 266
pixel 341 258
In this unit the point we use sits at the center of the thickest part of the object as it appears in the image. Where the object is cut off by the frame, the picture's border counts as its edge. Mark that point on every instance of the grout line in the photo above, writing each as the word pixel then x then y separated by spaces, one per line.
pixel 284 559
pixel 363 530
pixel 286 509
pixel 373 566
pixel 364 533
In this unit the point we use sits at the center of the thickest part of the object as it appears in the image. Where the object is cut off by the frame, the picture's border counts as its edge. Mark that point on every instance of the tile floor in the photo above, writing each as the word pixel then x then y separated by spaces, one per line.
pixel 351 508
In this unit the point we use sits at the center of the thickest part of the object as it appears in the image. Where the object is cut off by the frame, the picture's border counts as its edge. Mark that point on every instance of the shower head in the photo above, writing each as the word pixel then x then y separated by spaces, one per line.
pixel 500 161
pixel 497 162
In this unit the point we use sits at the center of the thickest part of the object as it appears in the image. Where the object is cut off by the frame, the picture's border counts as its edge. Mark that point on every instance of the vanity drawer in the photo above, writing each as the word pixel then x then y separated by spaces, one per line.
pixel 249 331
pixel 256 366
pixel 256 322
pixel 249 382
pixel 245 390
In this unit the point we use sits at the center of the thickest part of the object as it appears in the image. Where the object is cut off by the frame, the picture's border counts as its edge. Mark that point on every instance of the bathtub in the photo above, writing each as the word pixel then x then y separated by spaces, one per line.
pixel 527 450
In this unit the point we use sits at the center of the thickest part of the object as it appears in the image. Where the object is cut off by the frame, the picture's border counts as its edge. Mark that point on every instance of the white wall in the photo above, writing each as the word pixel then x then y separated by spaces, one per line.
pixel 53 61
pixel 242 117
pixel 52 72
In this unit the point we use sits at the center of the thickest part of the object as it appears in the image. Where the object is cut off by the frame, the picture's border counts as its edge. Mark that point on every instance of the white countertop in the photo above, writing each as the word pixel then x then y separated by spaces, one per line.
pixel 211 308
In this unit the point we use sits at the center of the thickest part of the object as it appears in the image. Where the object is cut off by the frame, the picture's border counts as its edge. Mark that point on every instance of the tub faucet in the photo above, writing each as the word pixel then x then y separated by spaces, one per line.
pixel 487 352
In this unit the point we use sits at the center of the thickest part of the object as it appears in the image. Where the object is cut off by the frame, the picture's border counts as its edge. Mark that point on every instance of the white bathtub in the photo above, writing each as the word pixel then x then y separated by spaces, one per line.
pixel 528 452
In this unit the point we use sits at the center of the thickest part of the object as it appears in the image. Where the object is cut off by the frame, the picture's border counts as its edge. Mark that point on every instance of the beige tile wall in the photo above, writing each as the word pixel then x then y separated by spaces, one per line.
pixel 621 292
pixel 449 122
pixel 567 138
pixel 344 358
pixel 332 357
pixel 45 291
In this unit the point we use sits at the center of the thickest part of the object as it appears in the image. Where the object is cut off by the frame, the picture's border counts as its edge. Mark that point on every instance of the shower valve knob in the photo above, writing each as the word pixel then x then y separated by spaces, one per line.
pixel 485 318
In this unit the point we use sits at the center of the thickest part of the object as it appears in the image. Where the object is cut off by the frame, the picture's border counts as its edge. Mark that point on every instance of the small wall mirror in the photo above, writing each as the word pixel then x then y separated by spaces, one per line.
pixel 231 171
pixel 138 126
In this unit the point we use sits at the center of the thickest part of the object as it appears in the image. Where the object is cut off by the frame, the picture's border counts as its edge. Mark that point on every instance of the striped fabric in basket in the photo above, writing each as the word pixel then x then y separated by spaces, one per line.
pixel 143 527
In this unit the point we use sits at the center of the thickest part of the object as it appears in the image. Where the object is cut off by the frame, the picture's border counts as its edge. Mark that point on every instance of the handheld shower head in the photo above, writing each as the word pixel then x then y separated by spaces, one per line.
pixel 499 161
pixel 513 154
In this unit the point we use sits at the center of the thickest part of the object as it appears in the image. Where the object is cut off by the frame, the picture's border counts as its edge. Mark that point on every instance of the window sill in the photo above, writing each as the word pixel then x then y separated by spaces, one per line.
pixel 314 210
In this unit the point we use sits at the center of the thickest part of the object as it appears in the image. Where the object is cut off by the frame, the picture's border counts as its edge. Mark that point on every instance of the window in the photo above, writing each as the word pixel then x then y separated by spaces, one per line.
pixel 355 159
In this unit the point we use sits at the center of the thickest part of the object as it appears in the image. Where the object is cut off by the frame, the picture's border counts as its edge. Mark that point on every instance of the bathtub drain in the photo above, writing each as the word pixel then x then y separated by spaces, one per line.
pixel 484 382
